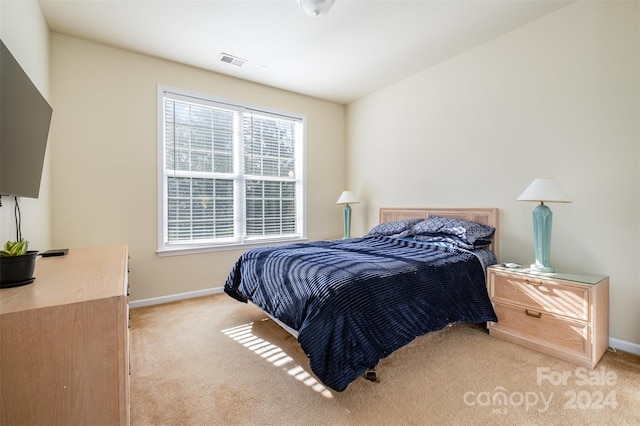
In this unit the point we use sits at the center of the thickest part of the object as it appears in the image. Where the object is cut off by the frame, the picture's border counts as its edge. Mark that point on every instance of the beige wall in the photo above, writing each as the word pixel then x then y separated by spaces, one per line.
pixel 559 97
pixel 25 33
pixel 105 161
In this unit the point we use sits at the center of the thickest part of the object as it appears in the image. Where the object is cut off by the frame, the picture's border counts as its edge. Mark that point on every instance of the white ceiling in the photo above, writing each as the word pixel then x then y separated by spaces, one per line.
pixel 358 48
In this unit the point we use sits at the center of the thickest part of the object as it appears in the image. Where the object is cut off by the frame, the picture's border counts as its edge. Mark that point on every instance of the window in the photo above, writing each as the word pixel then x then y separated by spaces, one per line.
pixel 229 174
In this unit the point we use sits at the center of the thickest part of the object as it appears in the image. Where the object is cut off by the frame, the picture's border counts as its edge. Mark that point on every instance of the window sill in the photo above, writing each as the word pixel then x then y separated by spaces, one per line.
pixel 181 251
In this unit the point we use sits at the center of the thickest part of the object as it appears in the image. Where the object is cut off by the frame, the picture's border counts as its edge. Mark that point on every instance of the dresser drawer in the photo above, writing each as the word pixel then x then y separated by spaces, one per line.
pixel 541 295
pixel 546 329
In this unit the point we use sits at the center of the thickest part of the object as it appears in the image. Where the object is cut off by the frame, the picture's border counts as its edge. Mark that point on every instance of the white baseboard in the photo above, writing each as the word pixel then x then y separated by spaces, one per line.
pixel 174 297
pixel 623 345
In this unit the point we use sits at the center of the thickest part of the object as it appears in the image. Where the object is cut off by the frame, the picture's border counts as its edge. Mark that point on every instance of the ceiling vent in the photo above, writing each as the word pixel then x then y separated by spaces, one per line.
pixel 233 60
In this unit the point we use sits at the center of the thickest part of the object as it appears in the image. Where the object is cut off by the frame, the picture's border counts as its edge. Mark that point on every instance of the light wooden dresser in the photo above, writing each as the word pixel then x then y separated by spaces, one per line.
pixel 563 315
pixel 64 342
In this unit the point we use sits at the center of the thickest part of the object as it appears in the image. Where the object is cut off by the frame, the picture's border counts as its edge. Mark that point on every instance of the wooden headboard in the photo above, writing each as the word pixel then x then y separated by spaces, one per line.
pixel 486 216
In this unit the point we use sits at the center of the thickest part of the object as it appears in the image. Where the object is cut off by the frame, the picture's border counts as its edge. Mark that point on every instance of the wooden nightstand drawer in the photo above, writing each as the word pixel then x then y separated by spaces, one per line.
pixel 563 315
pixel 536 326
pixel 541 294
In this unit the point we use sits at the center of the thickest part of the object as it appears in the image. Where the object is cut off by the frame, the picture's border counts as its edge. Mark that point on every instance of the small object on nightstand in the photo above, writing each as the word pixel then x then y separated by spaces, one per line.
pixel 512 265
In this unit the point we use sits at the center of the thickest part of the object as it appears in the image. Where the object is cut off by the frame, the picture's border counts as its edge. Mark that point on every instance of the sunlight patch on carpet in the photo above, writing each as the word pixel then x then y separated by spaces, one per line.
pixel 273 354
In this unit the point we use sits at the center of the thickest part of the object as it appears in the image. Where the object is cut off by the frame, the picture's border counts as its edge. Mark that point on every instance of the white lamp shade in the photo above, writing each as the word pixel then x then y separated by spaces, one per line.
pixel 347 197
pixel 544 190
pixel 316 7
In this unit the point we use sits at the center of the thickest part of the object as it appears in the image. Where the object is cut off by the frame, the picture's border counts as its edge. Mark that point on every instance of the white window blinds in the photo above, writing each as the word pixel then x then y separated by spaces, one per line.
pixel 230 174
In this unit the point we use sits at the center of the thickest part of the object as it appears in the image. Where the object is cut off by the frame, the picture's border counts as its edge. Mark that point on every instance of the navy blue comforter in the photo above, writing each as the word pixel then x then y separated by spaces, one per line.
pixel 355 301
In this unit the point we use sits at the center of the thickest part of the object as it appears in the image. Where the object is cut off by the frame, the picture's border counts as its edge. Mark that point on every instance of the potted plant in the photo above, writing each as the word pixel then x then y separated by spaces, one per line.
pixel 17 264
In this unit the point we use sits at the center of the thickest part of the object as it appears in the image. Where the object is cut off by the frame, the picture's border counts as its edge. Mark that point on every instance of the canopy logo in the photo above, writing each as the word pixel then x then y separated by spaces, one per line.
pixel 584 389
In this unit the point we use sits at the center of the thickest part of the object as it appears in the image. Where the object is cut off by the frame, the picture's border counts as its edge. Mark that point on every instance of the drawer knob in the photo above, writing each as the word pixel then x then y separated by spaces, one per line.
pixel 536 283
pixel 533 314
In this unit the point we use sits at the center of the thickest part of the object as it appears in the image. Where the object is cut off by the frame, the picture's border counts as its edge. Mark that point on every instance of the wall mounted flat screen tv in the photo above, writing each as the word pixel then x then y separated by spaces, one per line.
pixel 25 117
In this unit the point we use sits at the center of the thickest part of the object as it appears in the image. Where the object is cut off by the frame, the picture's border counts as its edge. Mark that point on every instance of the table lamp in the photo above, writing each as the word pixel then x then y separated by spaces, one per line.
pixel 347 198
pixel 543 190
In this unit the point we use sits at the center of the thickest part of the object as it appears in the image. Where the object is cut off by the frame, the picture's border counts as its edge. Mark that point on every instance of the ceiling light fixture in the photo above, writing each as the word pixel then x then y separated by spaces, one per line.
pixel 316 7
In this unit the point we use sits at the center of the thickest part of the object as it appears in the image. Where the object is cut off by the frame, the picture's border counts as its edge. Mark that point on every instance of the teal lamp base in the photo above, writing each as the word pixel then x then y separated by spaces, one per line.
pixel 535 267
pixel 347 222
pixel 542 218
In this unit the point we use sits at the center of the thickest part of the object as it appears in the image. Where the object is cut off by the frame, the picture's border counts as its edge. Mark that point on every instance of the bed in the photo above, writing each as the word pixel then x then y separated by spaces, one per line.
pixel 352 302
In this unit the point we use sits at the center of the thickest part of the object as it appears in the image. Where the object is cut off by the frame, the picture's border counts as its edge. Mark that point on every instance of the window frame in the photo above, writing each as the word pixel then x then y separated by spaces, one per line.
pixel 166 248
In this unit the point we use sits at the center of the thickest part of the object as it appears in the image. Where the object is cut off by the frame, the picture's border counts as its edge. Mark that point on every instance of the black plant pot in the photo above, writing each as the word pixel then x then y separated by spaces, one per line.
pixel 17 270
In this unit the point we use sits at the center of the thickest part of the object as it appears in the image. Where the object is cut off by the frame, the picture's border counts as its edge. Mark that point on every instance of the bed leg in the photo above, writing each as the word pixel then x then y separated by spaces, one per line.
pixel 371 375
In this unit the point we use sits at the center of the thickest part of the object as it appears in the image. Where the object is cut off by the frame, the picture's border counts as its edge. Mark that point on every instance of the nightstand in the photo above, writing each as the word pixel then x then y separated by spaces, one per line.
pixel 563 315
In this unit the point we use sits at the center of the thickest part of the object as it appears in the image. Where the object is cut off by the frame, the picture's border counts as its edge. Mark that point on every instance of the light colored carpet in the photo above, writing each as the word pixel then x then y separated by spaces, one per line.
pixel 215 361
